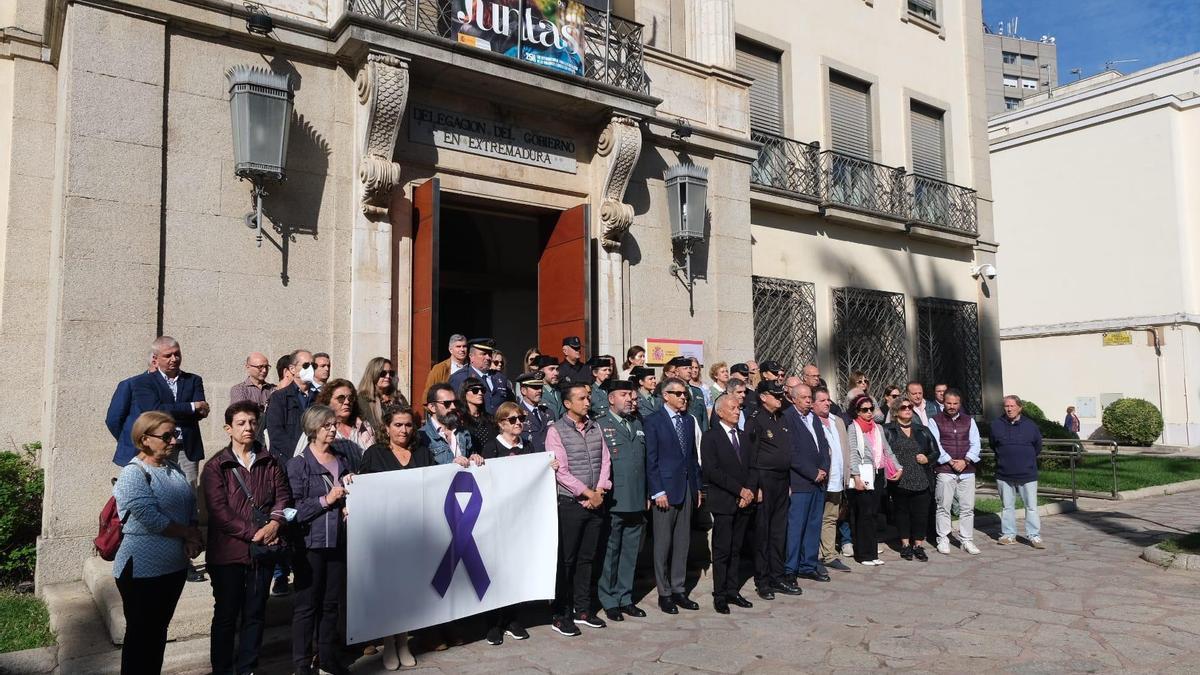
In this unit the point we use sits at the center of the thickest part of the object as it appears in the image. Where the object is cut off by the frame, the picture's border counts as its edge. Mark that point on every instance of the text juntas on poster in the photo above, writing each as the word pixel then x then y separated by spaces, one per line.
pixel 432 545
pixel 546 32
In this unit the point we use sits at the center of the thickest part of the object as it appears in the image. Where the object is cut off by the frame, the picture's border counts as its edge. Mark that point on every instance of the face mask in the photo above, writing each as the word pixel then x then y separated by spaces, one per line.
pixel 307 374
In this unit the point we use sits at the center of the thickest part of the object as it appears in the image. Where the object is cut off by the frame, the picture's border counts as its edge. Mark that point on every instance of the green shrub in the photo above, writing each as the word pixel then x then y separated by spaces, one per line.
pixel 1133 421
pixel 20 513
pixel 1033 410
pixel 1054 431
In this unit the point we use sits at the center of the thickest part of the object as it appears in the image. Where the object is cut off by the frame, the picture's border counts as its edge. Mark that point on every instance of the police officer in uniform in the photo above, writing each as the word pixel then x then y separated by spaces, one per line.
pixel 479 364
pixel 537 416
pixel 602 371
pixel 648 399
pixel 551 398
pixel 773 460
pixel 626 501
pixel 573 367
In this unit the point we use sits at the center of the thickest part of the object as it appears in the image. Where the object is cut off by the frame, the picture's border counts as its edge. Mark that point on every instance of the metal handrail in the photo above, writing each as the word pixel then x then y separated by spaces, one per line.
pixel 1075 453
pixel 861 184
pixel 787 164
pixel 941 204
pixel 612 48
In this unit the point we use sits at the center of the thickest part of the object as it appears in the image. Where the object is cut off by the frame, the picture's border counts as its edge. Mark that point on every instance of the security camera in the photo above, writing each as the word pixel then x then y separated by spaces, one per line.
pixel 987 270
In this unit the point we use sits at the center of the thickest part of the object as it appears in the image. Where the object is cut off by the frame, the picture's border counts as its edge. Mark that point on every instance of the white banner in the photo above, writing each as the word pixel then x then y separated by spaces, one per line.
pixel 427 546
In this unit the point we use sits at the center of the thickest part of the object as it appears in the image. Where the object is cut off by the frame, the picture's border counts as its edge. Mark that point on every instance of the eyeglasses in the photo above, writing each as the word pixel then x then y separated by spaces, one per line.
pixel 448 404
pixel 515 419
pixel 343 398
pixel 869 408
pixel 176 434
pixel 906 407
pixel 387 373
pixel 331 425
pixel 475 390
pixel 675 392
pixel 258 366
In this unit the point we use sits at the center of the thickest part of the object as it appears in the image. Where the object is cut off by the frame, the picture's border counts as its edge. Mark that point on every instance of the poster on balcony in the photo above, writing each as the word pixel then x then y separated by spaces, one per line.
pixel 546 32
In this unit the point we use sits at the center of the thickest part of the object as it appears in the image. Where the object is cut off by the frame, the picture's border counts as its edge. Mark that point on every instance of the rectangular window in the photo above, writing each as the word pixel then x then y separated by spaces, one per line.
pixel 766 92
pixel 928 131
pixel 1027 83
pixel 948 349
pixel 1011 81
pixel 1009 57
pixel 869 335
pixel 926 9
pixel 1028 60
pixel 785 321
pixel 1011 103
pixel 850 116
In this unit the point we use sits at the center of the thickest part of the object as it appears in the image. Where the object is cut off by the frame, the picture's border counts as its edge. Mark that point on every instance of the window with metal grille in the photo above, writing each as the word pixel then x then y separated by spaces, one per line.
pixel 766 92
pixel 785 322
pixel 948 348
pixel 926 9
pixel 869 335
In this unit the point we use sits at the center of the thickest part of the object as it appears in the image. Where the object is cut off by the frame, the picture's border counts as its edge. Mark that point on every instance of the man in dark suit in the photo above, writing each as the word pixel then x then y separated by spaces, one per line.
pixel 809 472
pixel 673 479
pixel 121 414
pixel 479 364
pixel 732 486
pixel 179 394
pixel 285 407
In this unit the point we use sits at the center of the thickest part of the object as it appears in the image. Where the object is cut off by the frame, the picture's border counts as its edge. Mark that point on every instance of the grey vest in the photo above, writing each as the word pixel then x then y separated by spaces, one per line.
pixel 584 452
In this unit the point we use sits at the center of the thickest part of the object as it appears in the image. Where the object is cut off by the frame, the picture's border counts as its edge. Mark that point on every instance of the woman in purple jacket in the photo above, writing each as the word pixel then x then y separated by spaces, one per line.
pixel 317 476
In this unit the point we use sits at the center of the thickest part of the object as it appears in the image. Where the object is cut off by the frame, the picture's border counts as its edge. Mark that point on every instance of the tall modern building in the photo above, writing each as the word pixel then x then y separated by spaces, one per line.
pixel 1016 69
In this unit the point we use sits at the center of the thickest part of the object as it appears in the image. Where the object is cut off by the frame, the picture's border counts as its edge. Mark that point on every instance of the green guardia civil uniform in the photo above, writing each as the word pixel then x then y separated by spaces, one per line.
pixel 696 408
pixel 599 402
pixel 552 399
pixel 627 507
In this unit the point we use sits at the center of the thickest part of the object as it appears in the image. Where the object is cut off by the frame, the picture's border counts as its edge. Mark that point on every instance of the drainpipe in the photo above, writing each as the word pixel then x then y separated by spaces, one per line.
pixel 1187 406
pixel 1162 366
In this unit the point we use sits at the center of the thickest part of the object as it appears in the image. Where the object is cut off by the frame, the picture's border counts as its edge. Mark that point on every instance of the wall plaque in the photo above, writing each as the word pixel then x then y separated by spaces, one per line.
pixel 490 138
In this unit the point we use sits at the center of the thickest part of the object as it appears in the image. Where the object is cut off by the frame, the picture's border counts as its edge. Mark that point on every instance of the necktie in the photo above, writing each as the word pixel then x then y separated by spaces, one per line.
pixel 680 433
pixel 737 446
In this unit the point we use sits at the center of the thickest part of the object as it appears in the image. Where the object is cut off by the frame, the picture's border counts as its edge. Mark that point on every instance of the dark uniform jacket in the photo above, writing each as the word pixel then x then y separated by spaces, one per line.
pixel 646 405
pixel 496 387
pixel 552 399
pixel 627 451
pixel 537 420
pixel 696 407
pixel 580 372
pixel 599 404
pixel 772 442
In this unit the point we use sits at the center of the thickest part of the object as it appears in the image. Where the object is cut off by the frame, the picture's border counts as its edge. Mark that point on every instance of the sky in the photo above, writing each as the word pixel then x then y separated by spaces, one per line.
pixel 1091 32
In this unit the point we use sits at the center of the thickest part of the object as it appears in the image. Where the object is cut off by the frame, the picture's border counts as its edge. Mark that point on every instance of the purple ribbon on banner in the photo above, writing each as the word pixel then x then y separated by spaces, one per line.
pixel 462 543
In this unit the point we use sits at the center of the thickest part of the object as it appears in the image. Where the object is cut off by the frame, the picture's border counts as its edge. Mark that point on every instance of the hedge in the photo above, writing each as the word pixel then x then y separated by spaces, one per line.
pixel 1133 421
pixel 20 514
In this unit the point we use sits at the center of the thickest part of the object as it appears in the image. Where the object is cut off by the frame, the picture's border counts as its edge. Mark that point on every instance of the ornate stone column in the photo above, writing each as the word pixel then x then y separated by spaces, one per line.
pixel 382 96
pixel 710 36
pixel 619 147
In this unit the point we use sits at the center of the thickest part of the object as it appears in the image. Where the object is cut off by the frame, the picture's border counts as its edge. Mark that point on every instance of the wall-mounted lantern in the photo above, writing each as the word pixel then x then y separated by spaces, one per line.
pixel 260 105
pixel 687 194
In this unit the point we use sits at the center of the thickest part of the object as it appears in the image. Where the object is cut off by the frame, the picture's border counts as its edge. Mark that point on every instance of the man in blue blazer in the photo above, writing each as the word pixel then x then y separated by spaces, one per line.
pixel 673 478
pixel 479 359
pixel 176 393
pixel 121 414
pixel 809 474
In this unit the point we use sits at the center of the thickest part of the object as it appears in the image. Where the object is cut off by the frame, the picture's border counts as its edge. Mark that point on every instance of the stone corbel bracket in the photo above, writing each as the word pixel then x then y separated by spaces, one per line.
pixel 382 85
pixel 621 143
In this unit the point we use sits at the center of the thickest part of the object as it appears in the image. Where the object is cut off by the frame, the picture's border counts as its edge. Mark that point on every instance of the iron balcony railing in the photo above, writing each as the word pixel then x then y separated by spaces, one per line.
pixel 788 165
pixel 936 202
pixel 612 49
pixel 862 184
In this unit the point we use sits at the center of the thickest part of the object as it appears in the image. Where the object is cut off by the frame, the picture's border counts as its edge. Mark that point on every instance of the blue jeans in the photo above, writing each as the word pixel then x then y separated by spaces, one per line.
pixel 804 532
pixel 1008 514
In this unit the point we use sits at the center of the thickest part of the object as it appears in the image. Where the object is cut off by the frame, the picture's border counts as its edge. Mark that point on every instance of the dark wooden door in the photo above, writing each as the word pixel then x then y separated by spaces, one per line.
pixel 423 352
pixel 564 283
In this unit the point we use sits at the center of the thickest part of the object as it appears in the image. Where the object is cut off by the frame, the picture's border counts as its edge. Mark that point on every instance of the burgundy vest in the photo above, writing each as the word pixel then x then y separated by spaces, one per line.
pixel 956 440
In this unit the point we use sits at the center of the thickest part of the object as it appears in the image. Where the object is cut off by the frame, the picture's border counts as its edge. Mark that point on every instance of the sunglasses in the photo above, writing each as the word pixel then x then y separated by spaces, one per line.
pixel 177 435
pixel 448 404
pixel 497 364
pixel 675 392
pixel 475 390
pixel 305 365
pixel 869 408
pixel 514 419
pixel 906 407
pixel 387 373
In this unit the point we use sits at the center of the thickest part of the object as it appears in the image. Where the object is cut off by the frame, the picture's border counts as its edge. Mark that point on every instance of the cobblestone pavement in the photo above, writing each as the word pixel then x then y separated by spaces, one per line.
pixel 1086 603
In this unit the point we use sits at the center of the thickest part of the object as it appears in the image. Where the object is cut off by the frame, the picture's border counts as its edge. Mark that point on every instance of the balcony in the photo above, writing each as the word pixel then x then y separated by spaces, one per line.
pixel 862 185
pixel 941 204
pixel 787 165
pixel 611 48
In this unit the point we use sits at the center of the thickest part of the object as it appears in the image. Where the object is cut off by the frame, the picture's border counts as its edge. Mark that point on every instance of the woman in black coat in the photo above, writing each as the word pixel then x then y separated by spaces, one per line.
pixel 917 451
pixel 475 420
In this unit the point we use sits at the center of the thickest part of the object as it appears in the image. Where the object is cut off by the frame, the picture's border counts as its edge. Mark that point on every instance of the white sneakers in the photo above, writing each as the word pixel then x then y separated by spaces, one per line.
pixel 871 563
pixel 848 550
pixel 970 547
pixel 1006 540
pixel 943 547
pixel 1036 542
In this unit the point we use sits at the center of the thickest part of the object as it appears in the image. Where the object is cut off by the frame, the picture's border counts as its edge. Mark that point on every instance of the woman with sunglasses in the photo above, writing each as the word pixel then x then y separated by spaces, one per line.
pixel 317 477
pixel 376 391
pixel 911 495
pixel 869 453
pixel 635 357
pixel 158 511
pixel 529 363
pixel 861 384
pixel 354 435
pixel 401 451
pixel 891 394
pixel 475 419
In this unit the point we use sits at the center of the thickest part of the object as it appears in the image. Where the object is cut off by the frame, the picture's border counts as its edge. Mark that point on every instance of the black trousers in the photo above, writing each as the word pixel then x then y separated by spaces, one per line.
pixel 578 540
pixel 320 574
pixel 770 529
pixel 239 592
pixel 728 534
pixel 911 509
pixel 866 511
pixel 148 603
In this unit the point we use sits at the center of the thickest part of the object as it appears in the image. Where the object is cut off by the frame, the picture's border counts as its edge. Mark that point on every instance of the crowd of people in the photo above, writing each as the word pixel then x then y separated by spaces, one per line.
pixel 782 470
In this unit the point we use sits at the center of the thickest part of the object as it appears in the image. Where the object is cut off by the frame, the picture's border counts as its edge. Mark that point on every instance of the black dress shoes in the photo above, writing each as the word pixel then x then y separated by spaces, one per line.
pixel 721 605
pixel 685 602
pixel 633 610
pixel 838 565
pixel 614 614
pixel 766 594
pixel 666 604
pixel 740 601
pixel 814 576
pixel 787 588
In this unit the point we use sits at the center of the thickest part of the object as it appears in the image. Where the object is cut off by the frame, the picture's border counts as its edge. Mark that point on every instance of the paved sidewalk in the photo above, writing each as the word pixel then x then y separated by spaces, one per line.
pixel 1086 603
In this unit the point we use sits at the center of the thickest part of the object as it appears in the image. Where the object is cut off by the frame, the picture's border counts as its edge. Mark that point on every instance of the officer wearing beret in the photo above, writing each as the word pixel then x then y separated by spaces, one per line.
pixel 551 398
pixel 646 381
pixel 602 371
pixel 627 500
pixel 479 364
pixel 573 367
pixel 537 415
pixel 773 460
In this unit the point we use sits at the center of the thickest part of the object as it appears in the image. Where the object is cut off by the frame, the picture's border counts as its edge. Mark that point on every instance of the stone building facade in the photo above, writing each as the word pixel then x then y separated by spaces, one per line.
pixel 123 219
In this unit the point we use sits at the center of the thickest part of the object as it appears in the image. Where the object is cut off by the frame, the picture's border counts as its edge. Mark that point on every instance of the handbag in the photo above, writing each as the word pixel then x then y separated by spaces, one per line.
pixel 108 538
pixel 262 553
pixel 890 470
